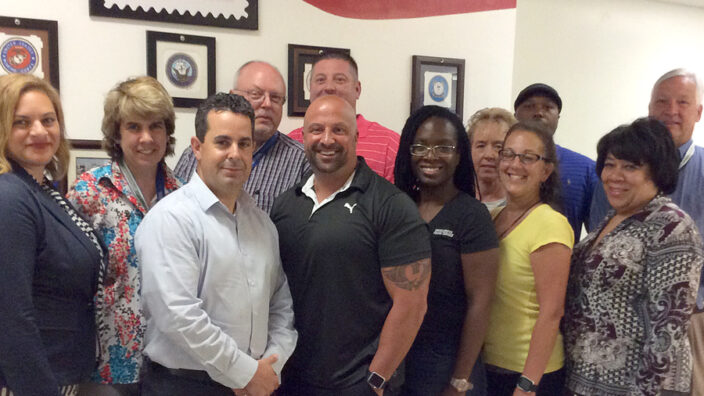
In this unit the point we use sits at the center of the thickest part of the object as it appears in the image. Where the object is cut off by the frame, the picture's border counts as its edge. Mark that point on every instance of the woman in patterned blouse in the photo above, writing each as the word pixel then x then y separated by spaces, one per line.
pixel 634 279
pixel 138 128
pixel 50 258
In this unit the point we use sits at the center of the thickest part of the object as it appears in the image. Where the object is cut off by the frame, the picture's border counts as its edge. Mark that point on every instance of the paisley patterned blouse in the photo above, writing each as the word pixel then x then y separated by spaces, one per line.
pixel 103 196
pixel 629 300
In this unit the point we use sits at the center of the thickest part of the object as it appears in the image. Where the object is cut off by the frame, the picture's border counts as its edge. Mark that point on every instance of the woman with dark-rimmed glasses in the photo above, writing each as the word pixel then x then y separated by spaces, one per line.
pixel 434 168
pixel 523 348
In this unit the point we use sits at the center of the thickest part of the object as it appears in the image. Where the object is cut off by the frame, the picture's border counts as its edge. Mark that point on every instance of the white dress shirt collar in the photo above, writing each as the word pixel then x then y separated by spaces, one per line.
pixel 207 199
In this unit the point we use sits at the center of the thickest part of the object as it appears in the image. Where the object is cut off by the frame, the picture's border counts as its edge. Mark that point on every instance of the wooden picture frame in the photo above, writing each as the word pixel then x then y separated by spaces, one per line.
pixel 183 64
pixel 30 46
pixel 85 155
pixel 437 81
pixel 149 10
pixel 300 63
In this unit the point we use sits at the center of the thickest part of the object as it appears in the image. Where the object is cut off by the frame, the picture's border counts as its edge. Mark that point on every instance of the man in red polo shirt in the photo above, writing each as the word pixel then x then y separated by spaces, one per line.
pixel 335 73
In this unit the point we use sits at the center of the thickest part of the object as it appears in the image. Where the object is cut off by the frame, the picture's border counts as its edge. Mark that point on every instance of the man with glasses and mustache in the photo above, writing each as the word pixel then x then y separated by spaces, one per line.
pixel 278 162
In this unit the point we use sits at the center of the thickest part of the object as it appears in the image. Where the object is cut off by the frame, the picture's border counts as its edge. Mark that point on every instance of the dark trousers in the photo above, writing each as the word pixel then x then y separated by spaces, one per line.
pixel 297 388
pixel 500 384
pixel 428 372
pixel 161 381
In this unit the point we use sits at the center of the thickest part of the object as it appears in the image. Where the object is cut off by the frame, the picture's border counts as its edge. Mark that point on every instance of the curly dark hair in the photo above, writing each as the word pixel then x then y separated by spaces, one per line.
pixel 404 178
pixel 644 141
pixel 221 102
pixel 550 190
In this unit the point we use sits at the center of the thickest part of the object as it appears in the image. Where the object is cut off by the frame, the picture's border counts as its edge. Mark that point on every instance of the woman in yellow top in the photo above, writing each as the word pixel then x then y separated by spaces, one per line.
pixel 523 348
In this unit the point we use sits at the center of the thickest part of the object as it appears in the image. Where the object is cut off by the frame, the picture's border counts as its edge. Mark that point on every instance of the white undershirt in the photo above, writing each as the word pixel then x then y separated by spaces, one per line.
pixel 309 191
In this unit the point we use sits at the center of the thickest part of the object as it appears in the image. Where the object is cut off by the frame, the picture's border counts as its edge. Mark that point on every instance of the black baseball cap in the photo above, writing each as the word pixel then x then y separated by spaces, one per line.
pixel 538 89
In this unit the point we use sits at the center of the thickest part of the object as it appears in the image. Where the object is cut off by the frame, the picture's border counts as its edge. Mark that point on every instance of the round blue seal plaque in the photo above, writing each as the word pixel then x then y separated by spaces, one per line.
pixel 18 55
pixel 181 70
pixel 437 88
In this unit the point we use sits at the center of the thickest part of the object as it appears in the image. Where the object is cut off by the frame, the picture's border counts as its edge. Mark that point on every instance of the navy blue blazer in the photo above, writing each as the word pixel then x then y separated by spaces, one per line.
pixel 48 278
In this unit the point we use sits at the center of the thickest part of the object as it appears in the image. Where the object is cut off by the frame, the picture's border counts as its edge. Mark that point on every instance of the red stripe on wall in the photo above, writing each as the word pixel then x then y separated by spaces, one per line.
pixel 397 9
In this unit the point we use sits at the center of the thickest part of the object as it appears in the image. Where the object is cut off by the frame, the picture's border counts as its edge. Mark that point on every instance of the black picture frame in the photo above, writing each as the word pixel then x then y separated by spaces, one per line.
pixel 435 70
pixel 251 22
pixel 80 149
pixel 23 29
pixel 195 54
pixel 300 57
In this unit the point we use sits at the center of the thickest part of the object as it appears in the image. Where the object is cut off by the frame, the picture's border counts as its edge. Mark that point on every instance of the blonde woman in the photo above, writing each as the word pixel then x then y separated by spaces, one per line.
pixel 486 130
pixel 50 259
pixel 138 128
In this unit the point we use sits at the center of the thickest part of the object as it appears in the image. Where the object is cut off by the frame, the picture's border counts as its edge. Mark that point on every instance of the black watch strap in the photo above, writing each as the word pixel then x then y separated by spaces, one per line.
pixel 526 385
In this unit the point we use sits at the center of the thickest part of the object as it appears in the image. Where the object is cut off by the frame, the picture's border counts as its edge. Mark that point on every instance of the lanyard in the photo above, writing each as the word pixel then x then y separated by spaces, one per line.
pixel 264 149
pixel 687 156
pixel 134 187
pixel 160 182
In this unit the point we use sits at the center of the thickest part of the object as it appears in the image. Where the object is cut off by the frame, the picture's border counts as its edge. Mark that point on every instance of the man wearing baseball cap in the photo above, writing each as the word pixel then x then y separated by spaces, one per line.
pixel 540 102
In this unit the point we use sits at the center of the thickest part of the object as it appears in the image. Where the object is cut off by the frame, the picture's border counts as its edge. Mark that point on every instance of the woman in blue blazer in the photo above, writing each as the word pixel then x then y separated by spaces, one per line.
pixel 50 259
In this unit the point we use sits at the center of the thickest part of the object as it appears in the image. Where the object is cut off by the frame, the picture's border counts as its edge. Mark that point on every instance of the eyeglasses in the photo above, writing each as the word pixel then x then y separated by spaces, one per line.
pixel 526 158
pixel 421 150
pixel 256 96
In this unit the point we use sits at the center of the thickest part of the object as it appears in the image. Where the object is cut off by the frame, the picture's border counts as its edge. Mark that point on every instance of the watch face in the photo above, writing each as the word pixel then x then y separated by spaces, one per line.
pixel 375 380
pixel 461 384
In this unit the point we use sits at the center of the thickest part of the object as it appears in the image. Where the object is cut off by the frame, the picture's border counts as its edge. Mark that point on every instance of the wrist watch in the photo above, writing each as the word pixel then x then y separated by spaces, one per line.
pixel 376 381
pixel 526 385
pixel 461 384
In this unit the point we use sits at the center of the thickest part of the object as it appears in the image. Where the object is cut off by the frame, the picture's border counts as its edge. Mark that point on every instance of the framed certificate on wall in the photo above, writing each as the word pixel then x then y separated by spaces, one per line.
pixel 183 64
pixel 437 81
pixel 30 46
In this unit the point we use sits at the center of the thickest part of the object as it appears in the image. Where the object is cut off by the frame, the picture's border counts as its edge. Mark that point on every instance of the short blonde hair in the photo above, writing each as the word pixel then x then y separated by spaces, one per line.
pixel 12 87
pixel 142 97
pixel 496 114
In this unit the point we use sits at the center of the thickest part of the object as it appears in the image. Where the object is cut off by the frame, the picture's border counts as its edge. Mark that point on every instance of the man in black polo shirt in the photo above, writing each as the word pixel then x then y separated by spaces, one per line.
pixel 357 257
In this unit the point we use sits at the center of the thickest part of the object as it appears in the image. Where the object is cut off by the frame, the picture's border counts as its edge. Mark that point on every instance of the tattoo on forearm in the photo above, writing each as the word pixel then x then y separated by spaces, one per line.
pixel 409 276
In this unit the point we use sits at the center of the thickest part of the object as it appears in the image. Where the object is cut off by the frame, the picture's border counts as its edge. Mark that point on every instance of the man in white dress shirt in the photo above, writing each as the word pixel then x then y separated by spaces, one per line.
pixel 217 304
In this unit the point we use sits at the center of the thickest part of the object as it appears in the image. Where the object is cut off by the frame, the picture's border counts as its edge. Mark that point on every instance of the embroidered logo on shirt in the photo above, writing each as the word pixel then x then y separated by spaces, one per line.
pixel 441 232
pixel 350 207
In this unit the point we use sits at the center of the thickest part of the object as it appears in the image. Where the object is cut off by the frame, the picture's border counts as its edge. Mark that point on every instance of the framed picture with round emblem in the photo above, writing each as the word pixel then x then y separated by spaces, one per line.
pixel 437 81
pixel 183 64
pixel 30 46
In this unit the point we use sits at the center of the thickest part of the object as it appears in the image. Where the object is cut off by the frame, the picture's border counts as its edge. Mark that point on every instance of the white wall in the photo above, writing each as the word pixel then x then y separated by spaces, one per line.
pixel 96 53
pixel 603 57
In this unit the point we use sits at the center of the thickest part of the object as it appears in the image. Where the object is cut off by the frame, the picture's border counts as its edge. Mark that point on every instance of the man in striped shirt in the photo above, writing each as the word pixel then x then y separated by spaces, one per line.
pixel 540 102
pixel 336 73
pixel 278 161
